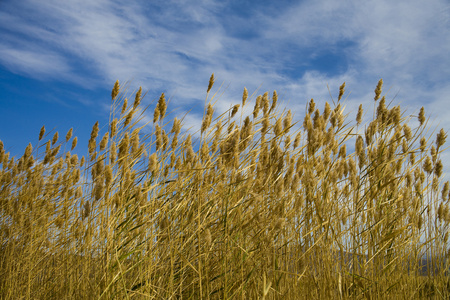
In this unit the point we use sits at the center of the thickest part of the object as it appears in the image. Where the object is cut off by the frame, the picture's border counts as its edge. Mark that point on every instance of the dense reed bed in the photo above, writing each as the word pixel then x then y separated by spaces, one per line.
pixel 248 208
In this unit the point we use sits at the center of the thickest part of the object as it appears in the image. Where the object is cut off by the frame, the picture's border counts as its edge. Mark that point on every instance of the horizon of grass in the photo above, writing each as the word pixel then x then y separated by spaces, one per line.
pixel 256 211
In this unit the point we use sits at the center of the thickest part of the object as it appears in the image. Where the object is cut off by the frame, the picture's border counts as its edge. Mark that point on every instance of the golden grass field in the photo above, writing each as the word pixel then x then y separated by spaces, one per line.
pixel 247 208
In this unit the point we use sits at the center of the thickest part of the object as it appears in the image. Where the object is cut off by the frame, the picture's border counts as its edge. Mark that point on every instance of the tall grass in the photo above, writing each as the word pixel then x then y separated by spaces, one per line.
pixel 249 210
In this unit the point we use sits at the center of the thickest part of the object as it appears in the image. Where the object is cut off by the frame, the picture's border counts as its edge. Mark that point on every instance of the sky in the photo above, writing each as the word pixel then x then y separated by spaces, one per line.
pixel 59 59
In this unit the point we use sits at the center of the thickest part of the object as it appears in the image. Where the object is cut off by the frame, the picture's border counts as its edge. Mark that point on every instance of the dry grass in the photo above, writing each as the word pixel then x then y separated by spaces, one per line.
pixel 251 210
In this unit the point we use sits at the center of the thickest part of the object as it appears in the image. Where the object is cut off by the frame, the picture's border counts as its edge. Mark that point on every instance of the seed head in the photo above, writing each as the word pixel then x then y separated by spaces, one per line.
pixel 152 162
pixel 69 134
pixel 445 190
pixel 113 129
pixel 211 83
pixel 235 110
pixel 265 124
pixel 341 91
pixel 137 99
pixel 55 138
pixel 428 165
pixel 274 101
pixel 312 106
pixel 41 133
pixel 244 96
pixel 433 153
pixel 343 151
pixel 422 116
pixel 124 106
pixel 115 90
pixel 287 122
pixel 359 115
pixel 438 168
pixel 176 126
pixel 123 147
pixel 162 106
pixel 440 138
pixel 28 151
pixel 104 141
pixel 326 111
pixel 113 153
pixel 257 106
pixel 277 128
pixel 128 118
pixel 207 118
pixel 265 103
pixel 297 140
pixel 378 89
pixel 407 132
pixel 423 144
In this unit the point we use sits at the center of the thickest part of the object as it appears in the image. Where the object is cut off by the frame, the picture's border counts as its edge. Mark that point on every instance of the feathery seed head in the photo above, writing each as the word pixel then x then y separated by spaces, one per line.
pixel 104 141
pixel 407 132
pixel 137 98
pixel 113 153
pixel 433 153
pixel 123 146
pixel 74 160
pixel 421 116
pixel 115 90
pixel 287 122
pixel 55 138
pixel 69 134
pixel 428 165
pixel 312 107
pixel 445 190
pixel 265 124
pixel 378 89
pixel 423 144
pixel 297 140
pixel 277 129
pixel 162 106
pixel 41 133
pixel 274 101
pixel 382 110
pixel 134 141
pixel 343 151
pixel 257 106
pixel 28 151
pixel 412 158
pixel 176 126
pixel 341 91
pixel 265 103
pixel 113 129
pixel 124 106
pixel 211 83
pixel 128 118
pixel 153 162
pixel 440 138
pixel 438 168
pixel 359 115
pixel 287 142
pixel 165 140
pixel 307 124
pixel 326 111
pixel 94 132
pixel 235 110
pixel 244 96
pixel 208 117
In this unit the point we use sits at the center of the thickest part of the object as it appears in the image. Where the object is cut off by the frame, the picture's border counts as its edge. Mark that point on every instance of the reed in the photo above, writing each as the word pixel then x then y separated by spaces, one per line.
pixel 252 209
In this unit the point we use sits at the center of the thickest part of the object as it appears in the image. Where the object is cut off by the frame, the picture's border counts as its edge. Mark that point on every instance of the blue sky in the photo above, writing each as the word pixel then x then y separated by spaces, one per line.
pixel 59 59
